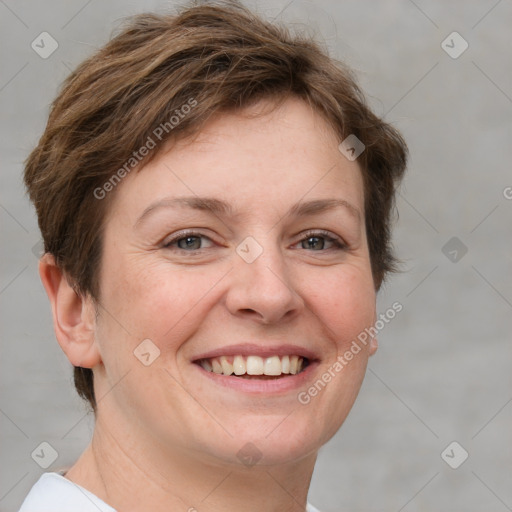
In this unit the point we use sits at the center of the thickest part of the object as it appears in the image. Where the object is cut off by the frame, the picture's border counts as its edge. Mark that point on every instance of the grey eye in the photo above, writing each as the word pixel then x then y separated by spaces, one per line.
pixel 190 242
pixel 314 242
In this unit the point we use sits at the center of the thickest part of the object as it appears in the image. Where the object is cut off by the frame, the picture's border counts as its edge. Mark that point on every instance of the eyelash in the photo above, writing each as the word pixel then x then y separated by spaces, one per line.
pixel 338 244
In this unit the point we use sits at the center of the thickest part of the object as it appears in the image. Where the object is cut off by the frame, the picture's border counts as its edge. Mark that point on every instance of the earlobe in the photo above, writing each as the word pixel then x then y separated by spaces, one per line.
pixel 73 316
pixel 374 345
pixel 374 342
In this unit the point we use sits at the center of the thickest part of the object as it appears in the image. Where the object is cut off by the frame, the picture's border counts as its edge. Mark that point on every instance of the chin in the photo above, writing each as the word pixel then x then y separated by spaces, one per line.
pixel 269 441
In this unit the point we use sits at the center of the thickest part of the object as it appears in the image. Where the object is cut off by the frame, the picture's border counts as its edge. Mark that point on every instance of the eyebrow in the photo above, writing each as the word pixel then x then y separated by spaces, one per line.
pixel 219 207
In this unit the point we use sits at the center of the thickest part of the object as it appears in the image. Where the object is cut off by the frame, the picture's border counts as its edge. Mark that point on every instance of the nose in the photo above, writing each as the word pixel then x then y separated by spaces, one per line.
pixel 263 289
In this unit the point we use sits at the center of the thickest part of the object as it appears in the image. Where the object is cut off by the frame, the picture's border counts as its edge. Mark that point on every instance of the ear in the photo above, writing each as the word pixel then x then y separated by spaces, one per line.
pixel 374 345
pixel 374 342
pixel 74 317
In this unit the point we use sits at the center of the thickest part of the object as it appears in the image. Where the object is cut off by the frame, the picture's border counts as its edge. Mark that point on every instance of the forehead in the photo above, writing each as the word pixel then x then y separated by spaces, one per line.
pixel 255 156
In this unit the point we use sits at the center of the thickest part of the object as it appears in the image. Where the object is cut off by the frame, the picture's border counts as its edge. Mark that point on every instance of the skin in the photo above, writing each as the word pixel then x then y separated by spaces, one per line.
pixel 164 438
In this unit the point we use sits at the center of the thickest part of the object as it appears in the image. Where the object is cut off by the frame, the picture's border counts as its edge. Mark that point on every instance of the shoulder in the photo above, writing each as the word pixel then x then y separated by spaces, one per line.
pixel 54 493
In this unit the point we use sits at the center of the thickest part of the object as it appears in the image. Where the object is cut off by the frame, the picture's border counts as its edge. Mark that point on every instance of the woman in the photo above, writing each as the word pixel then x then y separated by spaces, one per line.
pixel 214 197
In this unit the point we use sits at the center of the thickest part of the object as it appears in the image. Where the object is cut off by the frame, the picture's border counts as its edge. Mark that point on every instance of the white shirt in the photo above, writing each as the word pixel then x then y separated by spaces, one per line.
pixel 54 493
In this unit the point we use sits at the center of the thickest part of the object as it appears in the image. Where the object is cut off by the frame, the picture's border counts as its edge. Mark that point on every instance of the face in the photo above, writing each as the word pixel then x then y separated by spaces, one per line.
pixel 275 263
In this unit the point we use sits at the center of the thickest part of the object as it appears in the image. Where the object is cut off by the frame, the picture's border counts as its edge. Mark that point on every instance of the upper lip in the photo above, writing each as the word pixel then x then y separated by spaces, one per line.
pixel 258 349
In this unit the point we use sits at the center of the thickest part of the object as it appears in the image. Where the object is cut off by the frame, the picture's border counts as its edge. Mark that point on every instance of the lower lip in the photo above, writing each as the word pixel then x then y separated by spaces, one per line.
pixel 271 386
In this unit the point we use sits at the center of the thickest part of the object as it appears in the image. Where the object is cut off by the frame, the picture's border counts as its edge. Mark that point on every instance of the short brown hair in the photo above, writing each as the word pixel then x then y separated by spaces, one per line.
pixel 224 58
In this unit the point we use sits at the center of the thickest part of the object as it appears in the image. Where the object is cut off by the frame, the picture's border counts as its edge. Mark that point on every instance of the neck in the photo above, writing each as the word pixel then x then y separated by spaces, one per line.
pixel 134 476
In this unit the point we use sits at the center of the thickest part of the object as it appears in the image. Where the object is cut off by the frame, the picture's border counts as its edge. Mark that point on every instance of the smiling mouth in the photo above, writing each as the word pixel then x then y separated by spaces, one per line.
pixel 255 367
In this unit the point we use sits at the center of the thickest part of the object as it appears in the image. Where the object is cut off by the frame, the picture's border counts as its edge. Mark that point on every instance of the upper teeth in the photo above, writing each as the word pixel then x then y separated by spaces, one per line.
pixel 253 365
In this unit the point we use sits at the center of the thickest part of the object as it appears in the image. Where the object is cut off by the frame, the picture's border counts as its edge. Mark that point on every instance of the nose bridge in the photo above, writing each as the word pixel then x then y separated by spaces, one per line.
pixel 261 281
pixel 261 259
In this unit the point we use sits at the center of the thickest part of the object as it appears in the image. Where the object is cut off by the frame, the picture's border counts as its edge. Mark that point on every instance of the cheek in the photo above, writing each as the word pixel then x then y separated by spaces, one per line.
pixel 345 302
pixel 148 299
pixel 344 306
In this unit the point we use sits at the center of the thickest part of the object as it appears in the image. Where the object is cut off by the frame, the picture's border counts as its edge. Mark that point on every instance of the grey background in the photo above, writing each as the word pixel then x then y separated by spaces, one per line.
pixel 443 369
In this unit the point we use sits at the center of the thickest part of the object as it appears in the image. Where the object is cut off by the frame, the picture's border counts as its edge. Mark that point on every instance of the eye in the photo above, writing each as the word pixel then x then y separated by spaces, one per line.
pixel 192 241
pixel 317 241
pixel 187 241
